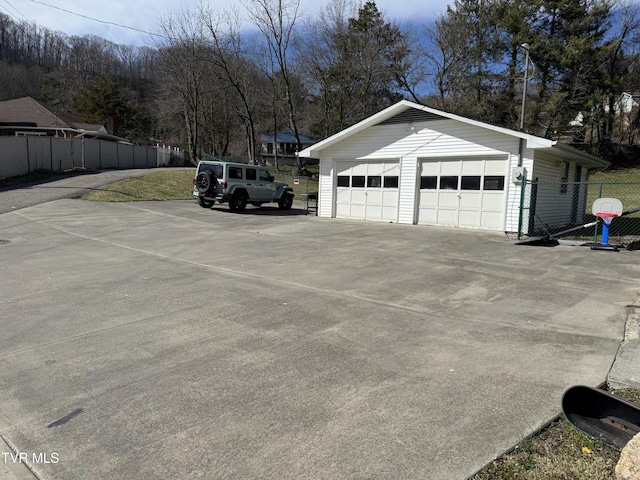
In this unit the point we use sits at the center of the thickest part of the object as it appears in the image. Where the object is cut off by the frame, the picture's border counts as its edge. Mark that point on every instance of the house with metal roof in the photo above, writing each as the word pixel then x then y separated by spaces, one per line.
pixel 282 148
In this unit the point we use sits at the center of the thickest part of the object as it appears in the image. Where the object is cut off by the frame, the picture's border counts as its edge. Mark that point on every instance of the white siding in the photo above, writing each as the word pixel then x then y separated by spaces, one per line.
pixel 558 206
pixel 547 168
pixel 514 191
pixel 408 182
pixel 326 187
pixel 428 139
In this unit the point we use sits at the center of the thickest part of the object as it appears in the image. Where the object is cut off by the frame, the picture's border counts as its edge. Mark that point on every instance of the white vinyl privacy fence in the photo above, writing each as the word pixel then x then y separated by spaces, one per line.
pixel 27 154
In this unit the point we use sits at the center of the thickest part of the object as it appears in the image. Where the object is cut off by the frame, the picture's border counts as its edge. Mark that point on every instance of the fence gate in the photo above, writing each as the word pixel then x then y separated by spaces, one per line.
pixel 551 207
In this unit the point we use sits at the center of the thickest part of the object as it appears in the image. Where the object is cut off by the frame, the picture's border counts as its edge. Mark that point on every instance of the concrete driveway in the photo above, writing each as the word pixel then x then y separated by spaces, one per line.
pixel 166 341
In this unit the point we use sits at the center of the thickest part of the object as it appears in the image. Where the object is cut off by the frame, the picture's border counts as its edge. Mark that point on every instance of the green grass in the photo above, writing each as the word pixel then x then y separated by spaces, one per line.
pixel 560 451
pixel 177 185
pixel 166 185
pixel 618 175
pixel 615 185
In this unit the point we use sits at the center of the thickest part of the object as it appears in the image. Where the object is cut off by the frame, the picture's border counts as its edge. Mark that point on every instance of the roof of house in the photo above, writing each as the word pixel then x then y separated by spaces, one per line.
pixel 29 114
pixel 27 110
pixel 405 111
pixel 284 137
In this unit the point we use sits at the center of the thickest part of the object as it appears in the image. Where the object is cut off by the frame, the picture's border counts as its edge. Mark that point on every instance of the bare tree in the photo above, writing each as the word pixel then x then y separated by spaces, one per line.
pixel 276 20
pixel 235 69
pixel 184 74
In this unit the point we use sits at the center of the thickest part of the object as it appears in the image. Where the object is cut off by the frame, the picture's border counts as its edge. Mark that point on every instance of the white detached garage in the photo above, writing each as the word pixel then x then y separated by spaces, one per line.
pixel 413 164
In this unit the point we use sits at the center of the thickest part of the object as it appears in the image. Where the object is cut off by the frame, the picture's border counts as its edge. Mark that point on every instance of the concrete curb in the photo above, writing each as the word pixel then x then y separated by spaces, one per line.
pixel 10 470
pixel 625 371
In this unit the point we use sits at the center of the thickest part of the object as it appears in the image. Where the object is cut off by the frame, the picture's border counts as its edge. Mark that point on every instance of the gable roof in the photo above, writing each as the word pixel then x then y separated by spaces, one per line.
pixel 405 111
pixel 28 114
pixel 26 110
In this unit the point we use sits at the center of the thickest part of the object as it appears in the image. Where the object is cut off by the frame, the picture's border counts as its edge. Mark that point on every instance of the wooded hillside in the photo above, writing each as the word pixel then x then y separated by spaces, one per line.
pixel 212 84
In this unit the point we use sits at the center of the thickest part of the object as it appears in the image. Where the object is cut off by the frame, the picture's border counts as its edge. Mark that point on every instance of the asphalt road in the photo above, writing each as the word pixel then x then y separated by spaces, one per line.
pixel 156 340
pixel 73 185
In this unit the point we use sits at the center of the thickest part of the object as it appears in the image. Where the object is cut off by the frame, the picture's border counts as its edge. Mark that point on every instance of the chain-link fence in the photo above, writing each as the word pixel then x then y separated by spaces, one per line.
pixel 553 207
pixel 305 189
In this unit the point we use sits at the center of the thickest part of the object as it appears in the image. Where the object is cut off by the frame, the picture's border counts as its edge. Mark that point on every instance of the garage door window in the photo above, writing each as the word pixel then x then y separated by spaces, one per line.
pixel 374 181
pixel 470 182
pixel 371 181
pixel 428 183
pixel 357 181
pixel 494 183
pixel 391 182
pixel 448 183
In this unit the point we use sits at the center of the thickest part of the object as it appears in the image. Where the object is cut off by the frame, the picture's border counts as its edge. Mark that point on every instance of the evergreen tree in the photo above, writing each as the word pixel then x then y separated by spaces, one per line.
pixel 568 48
pixel 361 78
pixel 102 102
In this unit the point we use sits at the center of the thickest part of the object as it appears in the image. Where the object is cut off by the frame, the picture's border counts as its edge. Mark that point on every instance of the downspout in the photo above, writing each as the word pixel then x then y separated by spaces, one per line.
pixel 520 152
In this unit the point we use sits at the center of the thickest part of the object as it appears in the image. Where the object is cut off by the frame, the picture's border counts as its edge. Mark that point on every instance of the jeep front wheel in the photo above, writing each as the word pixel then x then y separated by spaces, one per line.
pixel 238 202
pixel 285 201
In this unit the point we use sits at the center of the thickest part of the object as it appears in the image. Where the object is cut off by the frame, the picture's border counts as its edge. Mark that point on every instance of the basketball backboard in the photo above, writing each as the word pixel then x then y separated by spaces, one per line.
pixel 607 205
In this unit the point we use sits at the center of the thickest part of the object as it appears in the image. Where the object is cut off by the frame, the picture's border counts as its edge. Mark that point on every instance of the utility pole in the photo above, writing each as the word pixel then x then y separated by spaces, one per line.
pixel 525 46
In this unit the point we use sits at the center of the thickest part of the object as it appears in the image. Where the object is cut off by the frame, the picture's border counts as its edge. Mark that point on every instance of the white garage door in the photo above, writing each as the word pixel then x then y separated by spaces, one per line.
pixel 367 190
pixel 463 192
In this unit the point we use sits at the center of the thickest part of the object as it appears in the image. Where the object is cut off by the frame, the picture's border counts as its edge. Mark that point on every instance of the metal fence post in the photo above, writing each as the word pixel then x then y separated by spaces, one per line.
pixel 595 228
pixel 521 213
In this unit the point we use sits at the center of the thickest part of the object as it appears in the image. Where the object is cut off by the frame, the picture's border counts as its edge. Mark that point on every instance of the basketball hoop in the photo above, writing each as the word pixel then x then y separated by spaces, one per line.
pixel 606 209
pixel 607 217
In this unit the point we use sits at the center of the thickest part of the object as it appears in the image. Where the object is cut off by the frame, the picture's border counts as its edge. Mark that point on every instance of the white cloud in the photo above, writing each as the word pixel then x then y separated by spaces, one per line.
pixel 145 15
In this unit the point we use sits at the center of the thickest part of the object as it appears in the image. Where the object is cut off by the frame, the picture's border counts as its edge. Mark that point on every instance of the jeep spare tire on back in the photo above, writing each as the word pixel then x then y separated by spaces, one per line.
pixel 204 182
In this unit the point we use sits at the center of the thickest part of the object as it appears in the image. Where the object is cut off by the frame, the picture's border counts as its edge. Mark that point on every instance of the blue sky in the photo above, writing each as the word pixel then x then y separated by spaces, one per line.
pixel 145 14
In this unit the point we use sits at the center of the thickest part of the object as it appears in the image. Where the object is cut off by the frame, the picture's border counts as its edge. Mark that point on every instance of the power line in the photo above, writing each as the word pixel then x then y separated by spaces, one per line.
pixel 8 12
pixel 7 2
pixel 96 19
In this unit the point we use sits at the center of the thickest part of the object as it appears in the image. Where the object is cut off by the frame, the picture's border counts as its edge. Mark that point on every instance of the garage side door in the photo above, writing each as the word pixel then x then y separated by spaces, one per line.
pixel 463 192
pixel 367 190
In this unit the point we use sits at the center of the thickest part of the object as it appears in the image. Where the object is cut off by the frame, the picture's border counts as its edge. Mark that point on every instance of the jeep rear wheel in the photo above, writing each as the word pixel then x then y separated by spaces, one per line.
pixel 285 201
pixel 204 182
pixel 238 202
pixel 205 203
